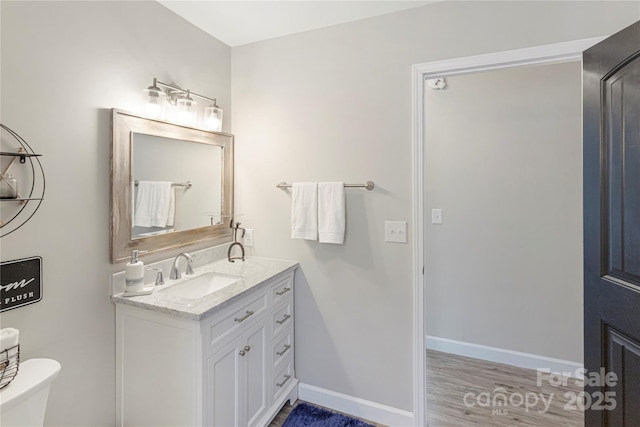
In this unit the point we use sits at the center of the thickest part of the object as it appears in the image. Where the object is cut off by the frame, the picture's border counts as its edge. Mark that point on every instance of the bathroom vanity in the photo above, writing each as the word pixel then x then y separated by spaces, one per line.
pixel 222 359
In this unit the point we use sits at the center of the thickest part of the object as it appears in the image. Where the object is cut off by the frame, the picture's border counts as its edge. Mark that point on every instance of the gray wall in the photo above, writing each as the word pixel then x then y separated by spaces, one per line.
pixel 64 64
pixel 504 161
pixel 335 104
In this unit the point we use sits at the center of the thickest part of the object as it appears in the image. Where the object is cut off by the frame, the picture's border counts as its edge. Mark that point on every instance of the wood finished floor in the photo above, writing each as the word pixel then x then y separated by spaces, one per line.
pixel 451 377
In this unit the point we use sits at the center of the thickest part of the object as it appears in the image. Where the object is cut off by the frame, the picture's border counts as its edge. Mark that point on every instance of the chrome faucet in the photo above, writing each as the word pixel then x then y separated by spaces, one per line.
pixel 175 273
pixel 159 277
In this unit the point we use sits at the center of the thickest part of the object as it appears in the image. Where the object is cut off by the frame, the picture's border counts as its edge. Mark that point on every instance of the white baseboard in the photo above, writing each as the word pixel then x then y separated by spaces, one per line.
pixel 356 407
pixel 500 355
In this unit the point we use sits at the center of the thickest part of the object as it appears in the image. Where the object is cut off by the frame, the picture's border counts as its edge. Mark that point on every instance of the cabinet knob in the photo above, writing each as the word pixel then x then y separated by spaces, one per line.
pixel 247 348
pixel 242 352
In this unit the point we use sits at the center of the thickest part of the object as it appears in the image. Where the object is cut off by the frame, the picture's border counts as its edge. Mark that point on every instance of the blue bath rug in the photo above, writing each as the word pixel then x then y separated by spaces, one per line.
pixel 305 415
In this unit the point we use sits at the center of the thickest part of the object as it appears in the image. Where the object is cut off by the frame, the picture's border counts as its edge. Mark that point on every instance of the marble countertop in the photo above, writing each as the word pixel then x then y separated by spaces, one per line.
pixel 253 272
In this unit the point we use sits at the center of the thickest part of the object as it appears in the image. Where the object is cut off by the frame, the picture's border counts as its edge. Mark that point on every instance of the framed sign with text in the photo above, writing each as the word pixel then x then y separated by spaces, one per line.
pixel 20 282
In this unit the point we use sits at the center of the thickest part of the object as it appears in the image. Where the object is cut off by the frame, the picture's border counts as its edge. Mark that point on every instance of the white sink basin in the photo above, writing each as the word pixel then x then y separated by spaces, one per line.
pixel 201 285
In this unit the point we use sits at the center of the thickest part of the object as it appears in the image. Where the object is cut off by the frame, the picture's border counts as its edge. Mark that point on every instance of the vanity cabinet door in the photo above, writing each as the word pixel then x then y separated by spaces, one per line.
pixel 237 380
pixel 256 371
pixel 223 384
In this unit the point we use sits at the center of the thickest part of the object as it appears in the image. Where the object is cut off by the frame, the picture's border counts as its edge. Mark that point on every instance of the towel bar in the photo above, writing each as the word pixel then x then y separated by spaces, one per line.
pixel 186 185
pixel 369 185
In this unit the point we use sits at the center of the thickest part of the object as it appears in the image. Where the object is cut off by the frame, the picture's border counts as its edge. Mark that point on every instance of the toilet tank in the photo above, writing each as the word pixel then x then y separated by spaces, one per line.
pixel 24 401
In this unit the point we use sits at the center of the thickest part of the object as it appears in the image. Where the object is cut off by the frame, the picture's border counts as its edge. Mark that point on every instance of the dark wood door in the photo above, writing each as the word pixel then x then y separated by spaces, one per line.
pixel 612 229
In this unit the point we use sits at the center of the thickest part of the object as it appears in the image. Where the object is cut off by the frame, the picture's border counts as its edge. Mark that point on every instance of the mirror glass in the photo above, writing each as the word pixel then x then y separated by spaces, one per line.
pixel 190 172
pixel 171 186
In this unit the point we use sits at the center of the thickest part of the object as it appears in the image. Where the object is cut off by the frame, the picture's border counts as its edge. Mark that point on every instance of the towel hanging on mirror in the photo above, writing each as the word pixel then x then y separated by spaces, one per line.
pixel 154 204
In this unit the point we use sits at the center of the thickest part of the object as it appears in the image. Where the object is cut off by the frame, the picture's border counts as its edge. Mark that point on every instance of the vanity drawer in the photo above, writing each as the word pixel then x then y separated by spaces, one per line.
pixel 282 319
pixel 282 379
pixel 282 290
pixel 221 327
pixel 283 347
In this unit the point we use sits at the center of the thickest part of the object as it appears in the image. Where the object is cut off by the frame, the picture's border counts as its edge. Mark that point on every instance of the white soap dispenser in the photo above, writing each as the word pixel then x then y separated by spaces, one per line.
pixel 134 274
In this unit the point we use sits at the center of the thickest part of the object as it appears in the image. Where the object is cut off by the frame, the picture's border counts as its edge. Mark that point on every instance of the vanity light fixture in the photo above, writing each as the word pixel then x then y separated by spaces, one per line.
pixel 185 106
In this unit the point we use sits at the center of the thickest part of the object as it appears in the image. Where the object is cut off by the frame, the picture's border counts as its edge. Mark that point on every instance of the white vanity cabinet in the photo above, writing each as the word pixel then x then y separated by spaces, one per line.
pixel 234 367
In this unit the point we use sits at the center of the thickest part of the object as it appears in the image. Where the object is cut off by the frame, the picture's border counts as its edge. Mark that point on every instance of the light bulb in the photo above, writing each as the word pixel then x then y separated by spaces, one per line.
pixel 213 123
pixel 153 109
pixel 186 110
pixel 213 118
pixel 185 117
pixel 154 105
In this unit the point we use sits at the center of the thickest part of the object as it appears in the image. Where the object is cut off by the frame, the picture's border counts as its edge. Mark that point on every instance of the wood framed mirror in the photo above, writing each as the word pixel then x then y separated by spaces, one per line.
pixel 151 159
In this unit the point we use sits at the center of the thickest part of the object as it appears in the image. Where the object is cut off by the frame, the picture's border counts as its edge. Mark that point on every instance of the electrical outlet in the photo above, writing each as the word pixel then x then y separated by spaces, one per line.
pixel 248 237
pixel 395 231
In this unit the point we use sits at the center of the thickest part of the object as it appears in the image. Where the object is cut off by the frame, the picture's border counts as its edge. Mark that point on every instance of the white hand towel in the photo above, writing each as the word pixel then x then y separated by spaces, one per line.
pixel 152 204
pixel 172 207
pixel 304 210
pixel 331 212
pixel 8 338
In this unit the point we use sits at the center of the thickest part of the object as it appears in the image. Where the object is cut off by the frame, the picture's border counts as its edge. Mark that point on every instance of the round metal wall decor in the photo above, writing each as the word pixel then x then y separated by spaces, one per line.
pixel 22 181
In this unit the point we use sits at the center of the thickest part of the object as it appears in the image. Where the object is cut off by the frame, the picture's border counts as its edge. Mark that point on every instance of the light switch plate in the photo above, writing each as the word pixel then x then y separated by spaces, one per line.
pixel 248 237
pixel 395 231
pixel 436 216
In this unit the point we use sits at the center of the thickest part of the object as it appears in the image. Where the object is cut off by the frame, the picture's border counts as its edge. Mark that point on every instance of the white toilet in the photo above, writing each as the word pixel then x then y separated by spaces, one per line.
pixel 24 401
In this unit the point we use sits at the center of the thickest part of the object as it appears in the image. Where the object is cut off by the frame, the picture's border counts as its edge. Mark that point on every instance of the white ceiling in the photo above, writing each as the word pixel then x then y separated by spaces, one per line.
pixel 240 22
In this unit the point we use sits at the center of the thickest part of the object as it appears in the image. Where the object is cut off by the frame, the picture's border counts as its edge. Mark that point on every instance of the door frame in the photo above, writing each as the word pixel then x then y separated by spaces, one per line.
pixel 539 55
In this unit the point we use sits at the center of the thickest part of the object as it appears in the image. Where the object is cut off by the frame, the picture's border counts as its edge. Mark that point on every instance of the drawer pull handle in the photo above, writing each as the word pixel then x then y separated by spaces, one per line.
pixel 284 350
pixel 284 319
pixel 286 378
pixel 284 291
pixel 243 318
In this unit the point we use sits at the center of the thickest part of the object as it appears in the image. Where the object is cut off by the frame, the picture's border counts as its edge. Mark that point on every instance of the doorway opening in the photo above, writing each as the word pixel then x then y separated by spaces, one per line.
pixel 555 55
